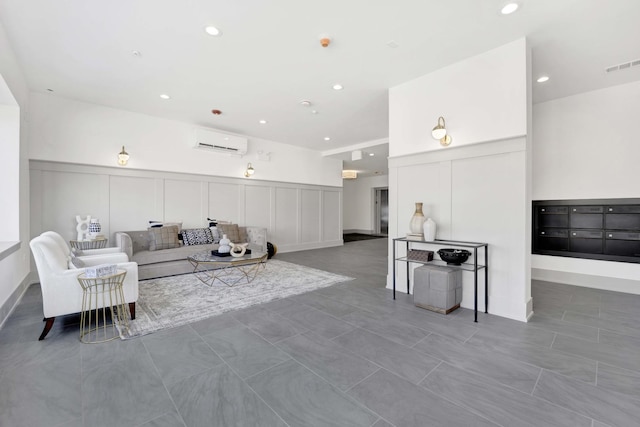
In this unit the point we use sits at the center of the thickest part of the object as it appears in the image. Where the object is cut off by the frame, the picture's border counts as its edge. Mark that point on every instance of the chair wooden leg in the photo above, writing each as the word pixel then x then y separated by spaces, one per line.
pixel 132 309
pixel 47 327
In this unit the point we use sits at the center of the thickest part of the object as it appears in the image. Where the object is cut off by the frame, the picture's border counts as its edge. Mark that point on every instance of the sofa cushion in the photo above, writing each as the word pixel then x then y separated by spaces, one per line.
pixel 163 238
pixel 157 224
pixel 197 236
pixel 166 255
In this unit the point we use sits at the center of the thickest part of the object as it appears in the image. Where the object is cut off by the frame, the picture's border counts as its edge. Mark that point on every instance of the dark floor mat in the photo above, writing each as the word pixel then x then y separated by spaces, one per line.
pixel 354 237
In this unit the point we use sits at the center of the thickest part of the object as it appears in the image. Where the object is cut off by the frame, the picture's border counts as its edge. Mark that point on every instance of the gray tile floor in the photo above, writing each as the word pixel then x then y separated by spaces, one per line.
pixel 347 355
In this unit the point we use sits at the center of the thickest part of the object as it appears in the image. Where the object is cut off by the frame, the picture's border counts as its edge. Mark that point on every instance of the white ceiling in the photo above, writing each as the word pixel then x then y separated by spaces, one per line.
pixel 269 57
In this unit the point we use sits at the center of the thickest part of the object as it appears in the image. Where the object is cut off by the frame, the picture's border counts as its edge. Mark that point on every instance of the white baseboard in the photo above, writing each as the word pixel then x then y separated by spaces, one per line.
pixel 357 231
pixel 587 280
pixel 295 247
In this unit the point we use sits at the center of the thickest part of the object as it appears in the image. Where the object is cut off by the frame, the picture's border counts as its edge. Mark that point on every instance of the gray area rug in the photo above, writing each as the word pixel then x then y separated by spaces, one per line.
pixel 168 302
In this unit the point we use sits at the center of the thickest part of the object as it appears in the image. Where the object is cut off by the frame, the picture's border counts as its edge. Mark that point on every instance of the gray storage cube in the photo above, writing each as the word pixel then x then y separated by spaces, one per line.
pixel 437 288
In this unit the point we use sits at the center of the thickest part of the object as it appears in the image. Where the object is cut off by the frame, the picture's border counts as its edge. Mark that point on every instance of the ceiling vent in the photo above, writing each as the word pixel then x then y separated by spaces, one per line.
pixel 220 142
pixel 623 66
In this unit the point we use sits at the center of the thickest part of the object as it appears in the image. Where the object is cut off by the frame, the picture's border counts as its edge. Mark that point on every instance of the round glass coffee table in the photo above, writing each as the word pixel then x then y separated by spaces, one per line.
pixel 228 270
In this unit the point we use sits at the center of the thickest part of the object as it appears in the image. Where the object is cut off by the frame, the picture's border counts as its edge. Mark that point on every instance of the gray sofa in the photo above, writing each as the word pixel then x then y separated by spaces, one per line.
pixel 169 262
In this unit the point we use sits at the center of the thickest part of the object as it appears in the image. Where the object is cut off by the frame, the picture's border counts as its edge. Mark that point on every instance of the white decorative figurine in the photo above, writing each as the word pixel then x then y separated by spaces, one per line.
pixel 225 245
pixel 238 249
pixel 82 227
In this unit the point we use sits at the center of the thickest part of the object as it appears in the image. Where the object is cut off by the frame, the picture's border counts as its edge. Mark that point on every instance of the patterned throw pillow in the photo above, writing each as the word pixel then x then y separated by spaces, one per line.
pixel 163 238
pixel 197 236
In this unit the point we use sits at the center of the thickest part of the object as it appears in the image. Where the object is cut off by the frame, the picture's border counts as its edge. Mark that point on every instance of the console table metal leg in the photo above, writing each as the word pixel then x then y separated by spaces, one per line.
pixel 486 279
pixel 393 260
pixel 475 285
pixel 408 269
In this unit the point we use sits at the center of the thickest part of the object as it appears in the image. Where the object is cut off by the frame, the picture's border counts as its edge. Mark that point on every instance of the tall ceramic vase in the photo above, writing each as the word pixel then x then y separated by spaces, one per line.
pixel 94 227
pixel 415 225
pixel 429 228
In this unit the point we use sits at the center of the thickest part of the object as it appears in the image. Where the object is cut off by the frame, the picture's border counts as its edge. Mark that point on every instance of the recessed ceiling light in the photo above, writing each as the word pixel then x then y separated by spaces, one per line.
pixel 326 138
pixel 165 96
pixel 542 79
pixel 136 53
pixel 371 154
pixel 212 31
pixel 263 122
pixel 305 103
pixel 337 86
pixel 314 111
pixel 509 8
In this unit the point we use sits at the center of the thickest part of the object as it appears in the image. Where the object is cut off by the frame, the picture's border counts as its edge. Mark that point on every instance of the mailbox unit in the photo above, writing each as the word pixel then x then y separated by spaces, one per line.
pixel 606 229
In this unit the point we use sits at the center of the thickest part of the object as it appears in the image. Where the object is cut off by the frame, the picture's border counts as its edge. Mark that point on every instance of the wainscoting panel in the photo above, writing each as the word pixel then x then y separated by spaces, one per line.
pixel 224 201
pixel 257 202
pixel 134 201
pixel 87 195
pixel 286 215
pixel 332 216
pixel 297 216
pixel 311 215
pixel 183 202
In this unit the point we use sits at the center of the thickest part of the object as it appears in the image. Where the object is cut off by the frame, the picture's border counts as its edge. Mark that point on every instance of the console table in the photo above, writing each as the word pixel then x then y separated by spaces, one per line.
pixel 474 267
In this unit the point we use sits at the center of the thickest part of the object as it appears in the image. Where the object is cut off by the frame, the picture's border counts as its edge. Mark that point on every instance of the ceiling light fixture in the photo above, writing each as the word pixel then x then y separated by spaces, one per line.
pixel 337 86
pixel 136 53
pixel 314 111
pixel 325 40
pixel 509 8
pixel 371 154
pixel 216 112
pixel 349 174
pixel 123 157
pixel 262 122
pixel 542 79
pixel 326 138
pixel 212 31
pixel 165 96
pixel 305 103
pixel 440 132
pixel 249 171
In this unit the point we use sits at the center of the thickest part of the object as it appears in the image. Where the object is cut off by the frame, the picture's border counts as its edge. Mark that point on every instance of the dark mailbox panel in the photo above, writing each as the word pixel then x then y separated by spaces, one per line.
pixel 607 229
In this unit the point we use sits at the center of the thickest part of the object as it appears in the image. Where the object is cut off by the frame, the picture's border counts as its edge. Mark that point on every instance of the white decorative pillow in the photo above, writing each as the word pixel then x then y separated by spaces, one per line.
pixel 75 262
pixel 157 224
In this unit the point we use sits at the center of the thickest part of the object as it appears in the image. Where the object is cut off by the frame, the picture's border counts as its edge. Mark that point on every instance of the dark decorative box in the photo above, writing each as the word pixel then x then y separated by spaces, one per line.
pixel 420 255
pixel 216 253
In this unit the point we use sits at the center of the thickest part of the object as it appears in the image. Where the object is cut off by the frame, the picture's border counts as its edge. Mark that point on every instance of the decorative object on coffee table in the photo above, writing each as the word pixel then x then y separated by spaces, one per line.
pixel 454 256
pixel 238 249
pixel 225 245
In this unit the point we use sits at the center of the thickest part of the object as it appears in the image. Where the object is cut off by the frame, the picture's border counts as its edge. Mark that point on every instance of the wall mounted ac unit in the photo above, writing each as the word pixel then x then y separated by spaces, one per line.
pixel 220 142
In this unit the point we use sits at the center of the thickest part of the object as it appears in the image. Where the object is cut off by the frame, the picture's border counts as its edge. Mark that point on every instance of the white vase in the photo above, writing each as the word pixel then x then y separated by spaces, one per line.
pixel 225 246
pixel 415 225
pixel 429 228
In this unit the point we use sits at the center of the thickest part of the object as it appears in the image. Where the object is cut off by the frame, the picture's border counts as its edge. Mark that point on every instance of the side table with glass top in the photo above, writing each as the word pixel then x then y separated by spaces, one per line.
pixel 88 244
pixel 103 307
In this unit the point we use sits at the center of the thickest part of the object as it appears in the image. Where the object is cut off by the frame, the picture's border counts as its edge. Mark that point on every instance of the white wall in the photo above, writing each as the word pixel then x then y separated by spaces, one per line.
pixel 483 98
pixel 585 147
pixel 14 173
pixel 359 198
pixel 64 130
pixel 474 190
pixel 297 216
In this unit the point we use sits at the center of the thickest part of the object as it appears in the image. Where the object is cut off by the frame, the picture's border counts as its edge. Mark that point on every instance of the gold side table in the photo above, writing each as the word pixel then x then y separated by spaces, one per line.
pixel 88 244
pixel 103 307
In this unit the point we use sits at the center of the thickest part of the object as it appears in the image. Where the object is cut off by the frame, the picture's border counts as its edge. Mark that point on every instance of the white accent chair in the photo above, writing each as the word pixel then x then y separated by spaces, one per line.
pixel 61 291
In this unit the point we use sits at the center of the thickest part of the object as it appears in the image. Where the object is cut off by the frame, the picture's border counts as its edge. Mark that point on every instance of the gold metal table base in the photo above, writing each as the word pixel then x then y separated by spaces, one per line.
pixel 229 272
pixel 103 308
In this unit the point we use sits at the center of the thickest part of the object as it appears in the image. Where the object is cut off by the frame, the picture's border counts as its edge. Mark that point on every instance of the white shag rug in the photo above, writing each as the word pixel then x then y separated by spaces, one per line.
pixel 168 302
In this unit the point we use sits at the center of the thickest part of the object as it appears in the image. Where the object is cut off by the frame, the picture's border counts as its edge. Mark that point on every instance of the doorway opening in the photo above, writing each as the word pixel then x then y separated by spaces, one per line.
pixel 381 211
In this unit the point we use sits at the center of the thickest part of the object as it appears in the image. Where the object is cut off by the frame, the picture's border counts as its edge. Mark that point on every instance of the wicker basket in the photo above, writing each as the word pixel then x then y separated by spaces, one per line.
pixel 420 255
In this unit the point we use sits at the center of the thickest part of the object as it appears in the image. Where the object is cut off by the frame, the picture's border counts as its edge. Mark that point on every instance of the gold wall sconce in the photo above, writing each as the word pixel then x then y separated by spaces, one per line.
pixel 440 132
pixel 123 157
pixel 249 171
